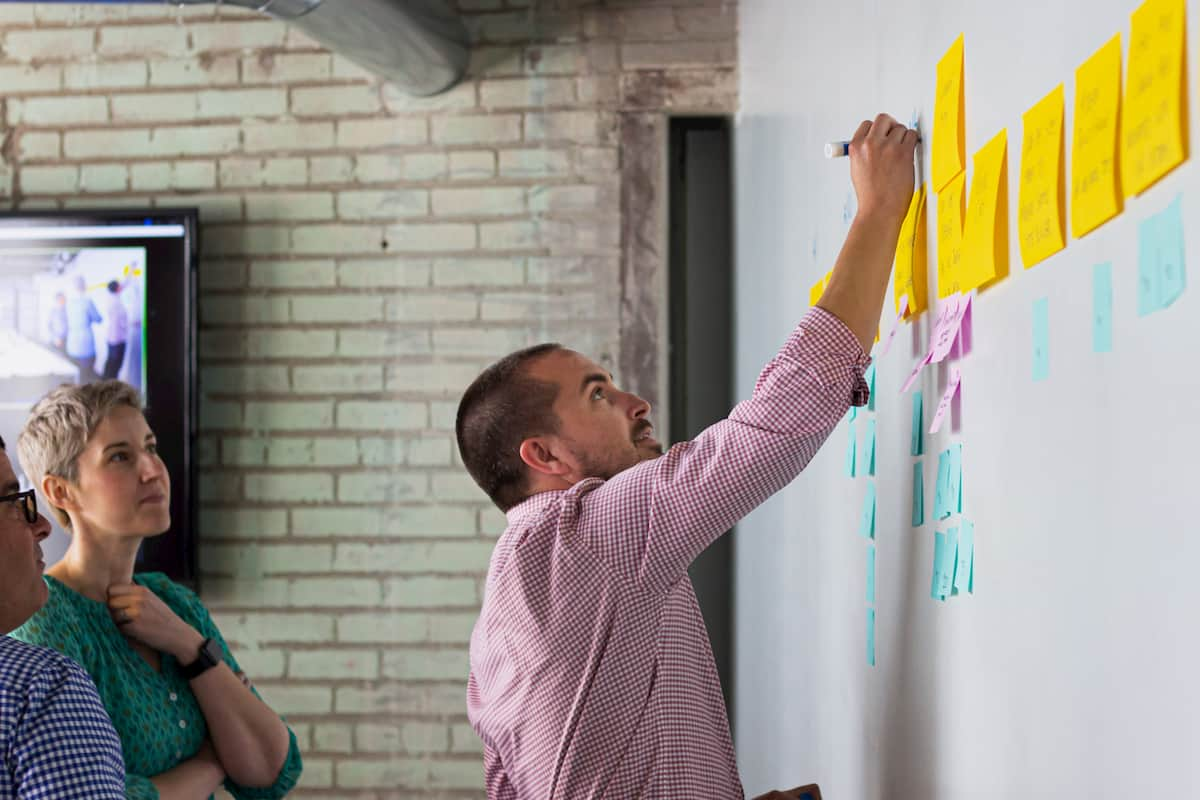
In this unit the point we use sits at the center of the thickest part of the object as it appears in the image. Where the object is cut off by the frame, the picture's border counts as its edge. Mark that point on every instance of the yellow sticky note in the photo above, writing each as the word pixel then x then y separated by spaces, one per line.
pixel 985 231
pixel 949 133
pixel 1095 179
pixel 1154 133
pixel 950 212
pixel 814 294
pixel 1040 217
pixel 911 257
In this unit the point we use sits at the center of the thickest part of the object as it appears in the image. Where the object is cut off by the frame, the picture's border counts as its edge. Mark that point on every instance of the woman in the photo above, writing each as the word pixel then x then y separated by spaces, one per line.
pixel 188 719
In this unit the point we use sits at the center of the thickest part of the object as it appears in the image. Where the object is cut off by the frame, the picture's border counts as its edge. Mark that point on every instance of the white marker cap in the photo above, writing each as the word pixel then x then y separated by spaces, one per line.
pixel 837 149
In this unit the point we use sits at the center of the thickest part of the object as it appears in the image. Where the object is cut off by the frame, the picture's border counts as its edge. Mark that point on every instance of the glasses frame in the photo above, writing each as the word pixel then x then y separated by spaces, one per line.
pixel 28 500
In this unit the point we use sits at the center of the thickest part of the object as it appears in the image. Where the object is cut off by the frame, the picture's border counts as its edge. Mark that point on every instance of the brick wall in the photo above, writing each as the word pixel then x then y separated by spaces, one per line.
pixel 365 254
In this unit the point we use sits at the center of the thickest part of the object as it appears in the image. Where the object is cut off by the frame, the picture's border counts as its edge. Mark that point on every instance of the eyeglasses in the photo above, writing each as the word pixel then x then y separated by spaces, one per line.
pixel 28 499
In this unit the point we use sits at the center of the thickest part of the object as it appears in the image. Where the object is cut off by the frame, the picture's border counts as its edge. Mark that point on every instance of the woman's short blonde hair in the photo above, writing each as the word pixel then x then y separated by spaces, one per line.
pixel 60 426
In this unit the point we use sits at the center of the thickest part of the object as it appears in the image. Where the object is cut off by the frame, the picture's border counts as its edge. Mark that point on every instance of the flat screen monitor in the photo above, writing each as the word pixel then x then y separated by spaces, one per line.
pixel 91 295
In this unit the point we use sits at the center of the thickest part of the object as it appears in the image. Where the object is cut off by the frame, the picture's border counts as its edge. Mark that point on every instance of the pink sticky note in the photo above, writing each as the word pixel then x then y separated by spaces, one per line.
pixel 896 325
pixel 962 343
pixel 947 398
pixel 913 376
pixel 945 332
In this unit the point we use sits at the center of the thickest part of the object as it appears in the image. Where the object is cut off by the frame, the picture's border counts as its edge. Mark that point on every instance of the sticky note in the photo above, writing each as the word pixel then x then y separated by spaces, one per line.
pixel 868 454
pixel 1041 339
pixel 916 446
pixel 946 328
pixel 965 561
pixel 935 582
pixel 950 214
pixel 870 637
pixel 985 228
pixel 871 574
pixel 912 257
pixel 851 451
pixel 946 568
pixel 916 370
pixel 869 377
pixel 1041 217
pixel 1162 274
pixel 918 495
pixel 815 292
pixel 953 494
pixel 940 488
pixel 943 406
pixel 901 312
pixel 866 525
pixel 1095 182
pixel 852 414
pixel 1102 308
pixel 1154 131
pixel 949 132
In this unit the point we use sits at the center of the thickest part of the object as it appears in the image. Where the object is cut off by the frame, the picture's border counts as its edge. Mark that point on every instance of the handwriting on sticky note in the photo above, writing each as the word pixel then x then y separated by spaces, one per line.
pixel 871 574
pixel 946 328
pixel 939 550
pixel 965 561
pixel 1095 183
pixel 912 256
pixel 985 229
pixel 866 525
pixel 953 494
pixel 918 495
pixel 1040 205
pixel 949 134
pixel 1162 270
pixel 1154 129
pixel 1041 339
pixel 950 213
pixel 947 398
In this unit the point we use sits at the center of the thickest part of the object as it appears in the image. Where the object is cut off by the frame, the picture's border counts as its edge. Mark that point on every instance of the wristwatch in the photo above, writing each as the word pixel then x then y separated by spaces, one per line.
pixel 209 656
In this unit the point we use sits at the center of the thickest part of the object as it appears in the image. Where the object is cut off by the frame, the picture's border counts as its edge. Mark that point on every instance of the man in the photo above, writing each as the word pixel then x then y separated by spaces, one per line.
pixel 591 673
pixel 117 332
pixel 56 740
pixel 81 339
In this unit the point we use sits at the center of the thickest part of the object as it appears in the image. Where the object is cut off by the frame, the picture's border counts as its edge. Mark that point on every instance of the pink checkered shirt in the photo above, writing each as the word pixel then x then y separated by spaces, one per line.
pixel 591 672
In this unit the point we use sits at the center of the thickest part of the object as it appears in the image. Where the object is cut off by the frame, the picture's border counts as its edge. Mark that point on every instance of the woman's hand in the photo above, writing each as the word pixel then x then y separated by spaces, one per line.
pixel 143 616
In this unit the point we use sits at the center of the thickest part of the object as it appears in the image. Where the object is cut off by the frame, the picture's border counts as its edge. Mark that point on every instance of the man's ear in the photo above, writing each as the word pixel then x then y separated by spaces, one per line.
pixel 57 492
pixel 540 456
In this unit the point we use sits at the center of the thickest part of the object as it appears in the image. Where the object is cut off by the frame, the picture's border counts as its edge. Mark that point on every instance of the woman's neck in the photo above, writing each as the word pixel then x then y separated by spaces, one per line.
pixel 91 565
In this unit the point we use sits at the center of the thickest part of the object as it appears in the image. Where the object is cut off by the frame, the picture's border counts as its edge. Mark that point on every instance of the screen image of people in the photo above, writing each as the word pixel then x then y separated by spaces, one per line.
pixel 67 315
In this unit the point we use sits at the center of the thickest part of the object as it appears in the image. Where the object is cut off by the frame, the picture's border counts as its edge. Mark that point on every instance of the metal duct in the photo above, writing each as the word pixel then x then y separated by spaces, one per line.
pixel 420 45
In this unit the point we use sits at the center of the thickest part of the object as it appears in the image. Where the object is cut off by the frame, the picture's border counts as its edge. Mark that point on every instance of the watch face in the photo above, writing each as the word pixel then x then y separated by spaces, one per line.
pixel 212 651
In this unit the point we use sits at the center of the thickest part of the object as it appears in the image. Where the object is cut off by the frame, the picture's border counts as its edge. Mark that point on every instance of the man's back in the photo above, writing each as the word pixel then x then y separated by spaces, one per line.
pixel 56 740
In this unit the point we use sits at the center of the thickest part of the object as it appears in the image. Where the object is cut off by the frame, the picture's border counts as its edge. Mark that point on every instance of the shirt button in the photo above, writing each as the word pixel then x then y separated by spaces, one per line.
pixel 173 697
pixel 183 723
pixel 179 754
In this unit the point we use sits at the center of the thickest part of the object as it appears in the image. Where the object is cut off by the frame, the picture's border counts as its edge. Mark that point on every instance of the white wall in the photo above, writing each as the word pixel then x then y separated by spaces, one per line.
pixel 1070 671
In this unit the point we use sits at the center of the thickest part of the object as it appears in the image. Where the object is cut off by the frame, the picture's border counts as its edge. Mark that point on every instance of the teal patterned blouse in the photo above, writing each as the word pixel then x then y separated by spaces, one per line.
pixel 155 713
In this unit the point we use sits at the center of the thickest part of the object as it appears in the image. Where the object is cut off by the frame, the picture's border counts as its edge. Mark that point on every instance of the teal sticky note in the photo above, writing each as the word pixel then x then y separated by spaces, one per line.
pixel 1102 308
pixel 965 561
pixel 1148 276
pixel 1041 339
pixel 952 498
pixel 1172 268
pixel 870 637
pixel 869 448
pixel 871 574
pixel 869 377
pixel 916 446
pixel 946 570
pixel 853 413
pixel 851 451
pixel 866 524
pixel 918 495
pixel 939 547
pixel 941 492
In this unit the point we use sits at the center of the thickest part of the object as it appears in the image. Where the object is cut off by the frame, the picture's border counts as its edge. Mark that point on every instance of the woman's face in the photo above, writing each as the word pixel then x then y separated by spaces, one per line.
pixel 123 487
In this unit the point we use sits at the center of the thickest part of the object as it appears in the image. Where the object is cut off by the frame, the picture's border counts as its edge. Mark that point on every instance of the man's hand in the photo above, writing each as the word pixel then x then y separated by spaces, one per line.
pixel 881 167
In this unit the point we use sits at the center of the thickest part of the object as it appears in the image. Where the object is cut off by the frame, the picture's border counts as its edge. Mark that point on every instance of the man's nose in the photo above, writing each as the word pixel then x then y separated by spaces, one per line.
pixel 41 528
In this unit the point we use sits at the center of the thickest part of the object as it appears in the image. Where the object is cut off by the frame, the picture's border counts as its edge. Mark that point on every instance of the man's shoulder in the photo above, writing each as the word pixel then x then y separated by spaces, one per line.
pixel 21 664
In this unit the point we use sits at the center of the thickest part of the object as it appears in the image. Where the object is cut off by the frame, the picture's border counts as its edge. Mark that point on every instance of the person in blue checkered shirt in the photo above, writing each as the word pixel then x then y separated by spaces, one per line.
pixel 56 740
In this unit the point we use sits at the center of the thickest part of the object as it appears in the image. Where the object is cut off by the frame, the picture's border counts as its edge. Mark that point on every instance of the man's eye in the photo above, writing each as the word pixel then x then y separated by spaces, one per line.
pixel 598 393
pixel 152 448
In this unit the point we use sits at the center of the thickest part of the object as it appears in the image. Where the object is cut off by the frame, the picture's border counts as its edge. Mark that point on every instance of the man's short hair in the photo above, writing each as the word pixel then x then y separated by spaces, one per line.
pixel 501 408
pixel 60 425
pixel 2 447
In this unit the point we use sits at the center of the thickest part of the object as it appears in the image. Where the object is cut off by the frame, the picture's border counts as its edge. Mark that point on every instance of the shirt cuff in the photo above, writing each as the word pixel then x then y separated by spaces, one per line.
pixel 840 349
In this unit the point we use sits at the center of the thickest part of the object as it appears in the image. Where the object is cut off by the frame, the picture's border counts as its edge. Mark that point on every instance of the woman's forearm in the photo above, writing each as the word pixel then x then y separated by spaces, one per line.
pixel 249 738
pixel 194 779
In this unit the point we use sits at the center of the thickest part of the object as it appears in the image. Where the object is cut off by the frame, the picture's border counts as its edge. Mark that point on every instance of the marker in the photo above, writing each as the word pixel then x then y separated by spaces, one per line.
pixel 837 149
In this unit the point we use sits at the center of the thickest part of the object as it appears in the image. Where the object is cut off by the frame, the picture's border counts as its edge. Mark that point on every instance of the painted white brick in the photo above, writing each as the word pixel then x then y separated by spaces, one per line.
pixel 381 487
pixel 397 698
pixel 324 592
pixel 293 487
pixel 331 169
pixel 386 627
pixel 514 235
pixel 534 163
pixel 322 452
pixel 472 165
pixel 432 308
pixel 384 272
pixel 458 98
pixel 142 40
pixel 155 107
pixel 284 136
pixel 331 101
pixel 300 273
pixel 402 737
pixel 361 133
pixel 334 664
pixel 262 628
pixel 337 239
pixel 134 143
pixel 241 103
pixel 109 75
pixel 242 522
pixel 297 699
pixel 49 45
pixel 436 379
pixel 337 308
pixel 464 739
pixel 400 521
pixel 431 592
pixel 499 201
pixel 332 737
pixel 288 415
pixel 239 172
pixel 212 71
pixel 243 378
pixel 50 180
pixel 345 69
pixel 543 199
pixel 447 556
pixel 416 665
pixel 425 166
pixel 380 168
pixel 382 343
pixel 213 208
pixel 380 415
pixel 317 774
pixel 162 176
pixel 53 111
pixel 472 129
pixel 352 379
pixel 257 561
pixel 657 55
pixel 31 78
pixel 430 237
pixel 534 92
pixel 480 342
pixel 244 35
pixel 479 272
pixel 383 205
pixel 289 206
pixel 243 309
